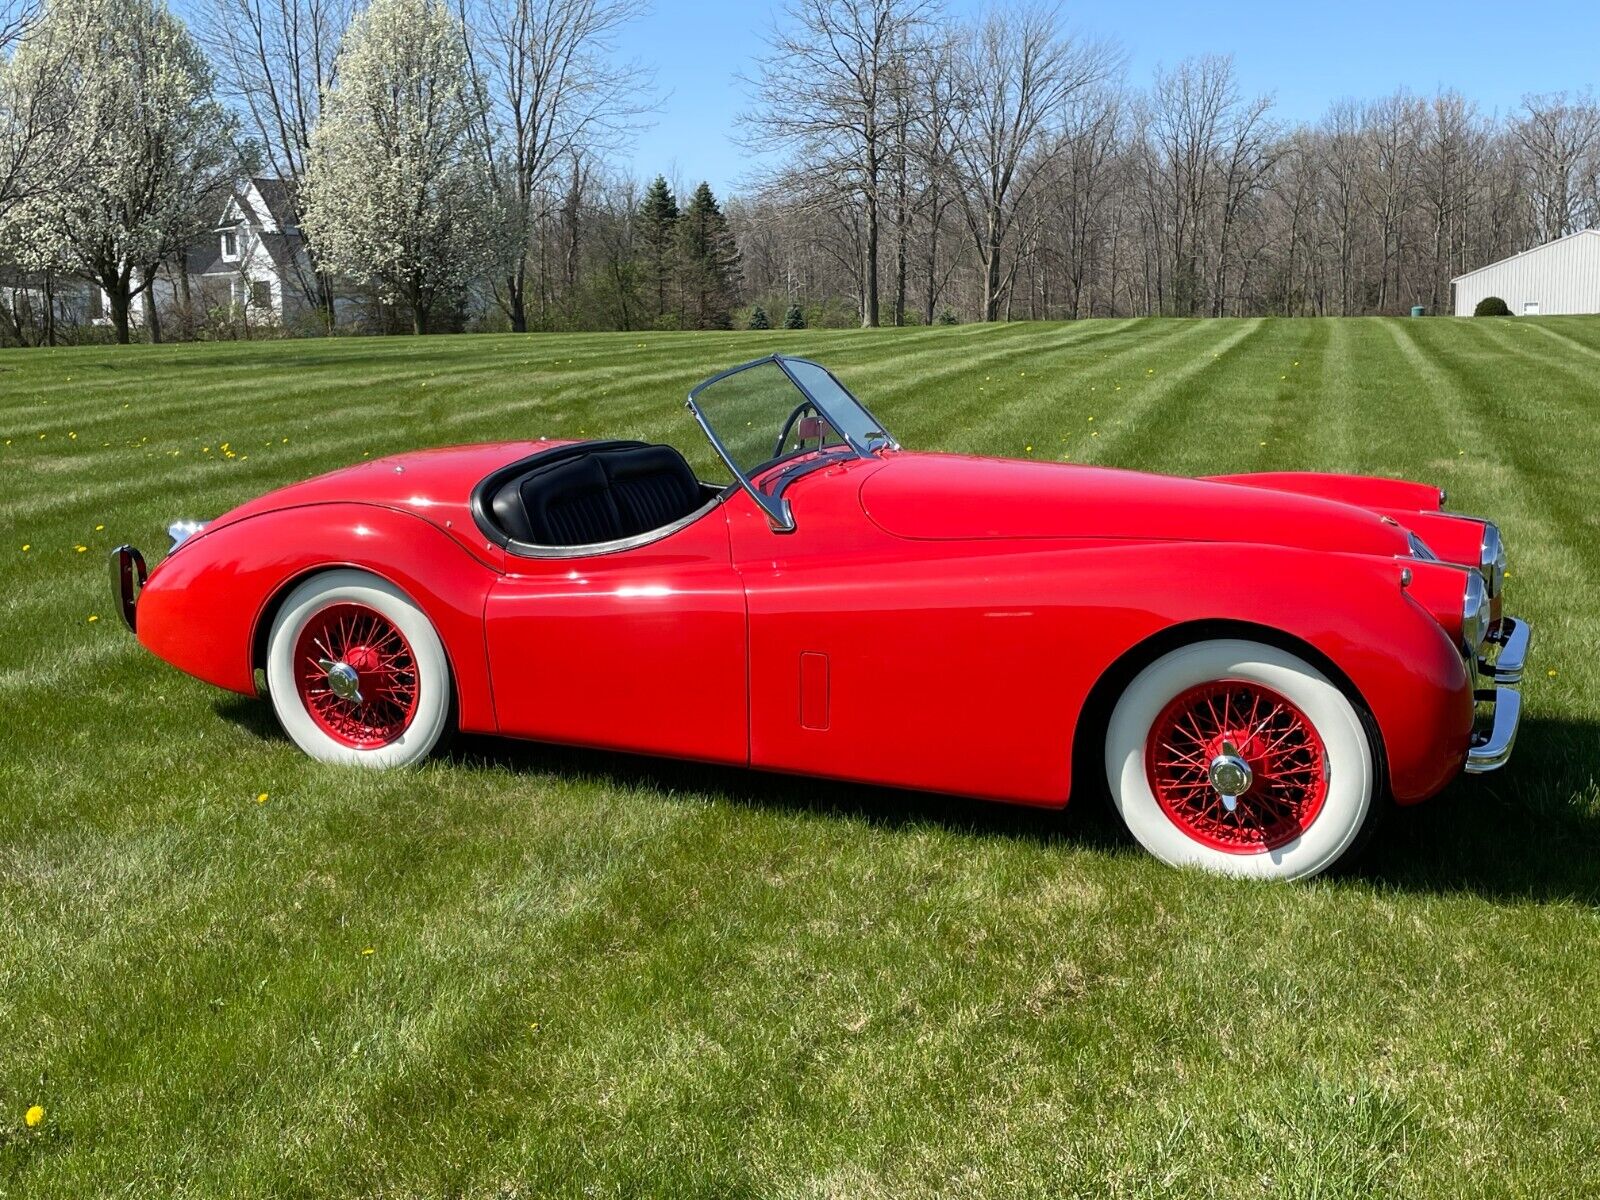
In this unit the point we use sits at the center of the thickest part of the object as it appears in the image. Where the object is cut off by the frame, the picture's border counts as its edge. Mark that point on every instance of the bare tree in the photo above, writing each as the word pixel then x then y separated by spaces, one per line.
pixel 548 90
pixel 274 60
pixel 1560 141
pixel 831 91
pixel 1018 72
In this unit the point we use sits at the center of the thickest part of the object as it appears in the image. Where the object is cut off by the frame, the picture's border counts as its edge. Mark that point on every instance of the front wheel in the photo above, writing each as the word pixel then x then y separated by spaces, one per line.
pixel 357 673
pixel 1242 759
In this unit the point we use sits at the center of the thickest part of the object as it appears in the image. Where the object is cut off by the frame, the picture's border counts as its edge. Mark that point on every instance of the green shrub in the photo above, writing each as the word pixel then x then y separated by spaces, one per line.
pixel 794 318
pixel 1492 306
pixel 758 319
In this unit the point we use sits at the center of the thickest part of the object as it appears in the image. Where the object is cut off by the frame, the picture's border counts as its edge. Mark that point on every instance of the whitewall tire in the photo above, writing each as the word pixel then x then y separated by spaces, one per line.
pixel 1240 758
pixel 356 672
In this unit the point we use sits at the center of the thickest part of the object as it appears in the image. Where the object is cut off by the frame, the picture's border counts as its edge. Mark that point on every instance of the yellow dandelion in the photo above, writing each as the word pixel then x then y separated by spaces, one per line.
pixel 93 618
pixel 80 549
pixel 98 528
pixel 73 436
pixel 1263 443
pixel 34 1116
pixel 369 952
pixel 1029 449
pixel 26 546
pixel 1552 672
pixel 533 1026
pixel 262 798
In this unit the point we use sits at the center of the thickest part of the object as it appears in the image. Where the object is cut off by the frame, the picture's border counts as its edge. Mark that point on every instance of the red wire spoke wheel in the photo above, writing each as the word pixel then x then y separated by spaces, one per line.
pixel 1237 720
pixel 356 675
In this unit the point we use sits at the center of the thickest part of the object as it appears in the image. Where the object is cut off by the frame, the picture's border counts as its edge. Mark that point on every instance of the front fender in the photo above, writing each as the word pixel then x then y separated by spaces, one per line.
pixel 1351 609
pixel 205 608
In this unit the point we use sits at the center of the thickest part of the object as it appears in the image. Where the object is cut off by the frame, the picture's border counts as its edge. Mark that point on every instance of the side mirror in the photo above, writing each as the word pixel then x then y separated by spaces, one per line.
pixel 808 428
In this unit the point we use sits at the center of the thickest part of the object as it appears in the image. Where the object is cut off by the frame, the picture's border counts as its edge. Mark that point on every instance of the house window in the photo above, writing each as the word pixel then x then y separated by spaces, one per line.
pixel 261 295
pixel 230 246
pixel 97 304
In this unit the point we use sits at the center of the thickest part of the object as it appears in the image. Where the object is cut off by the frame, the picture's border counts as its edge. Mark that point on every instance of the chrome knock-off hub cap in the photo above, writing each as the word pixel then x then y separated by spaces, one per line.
pixel 344 681
pixel 1230 776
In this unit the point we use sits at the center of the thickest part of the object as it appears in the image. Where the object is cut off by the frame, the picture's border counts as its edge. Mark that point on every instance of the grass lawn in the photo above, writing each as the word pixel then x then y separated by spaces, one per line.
pixel 526 971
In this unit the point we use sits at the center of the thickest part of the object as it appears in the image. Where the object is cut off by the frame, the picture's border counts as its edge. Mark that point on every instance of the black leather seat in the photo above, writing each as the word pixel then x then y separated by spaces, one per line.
pixel 597 496
pixel 651 486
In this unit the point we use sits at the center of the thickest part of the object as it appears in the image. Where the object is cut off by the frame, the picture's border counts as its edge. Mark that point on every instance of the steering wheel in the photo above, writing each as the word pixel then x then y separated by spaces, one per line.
pixel 799 411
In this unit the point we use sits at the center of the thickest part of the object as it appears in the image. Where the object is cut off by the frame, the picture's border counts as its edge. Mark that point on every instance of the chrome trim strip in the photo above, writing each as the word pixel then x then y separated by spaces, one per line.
pixel 1513 636
pixel 1490 751
pixel 595 549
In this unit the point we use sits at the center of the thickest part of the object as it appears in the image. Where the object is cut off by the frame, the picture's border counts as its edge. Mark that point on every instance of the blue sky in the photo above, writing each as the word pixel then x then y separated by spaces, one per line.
pixel 1307 54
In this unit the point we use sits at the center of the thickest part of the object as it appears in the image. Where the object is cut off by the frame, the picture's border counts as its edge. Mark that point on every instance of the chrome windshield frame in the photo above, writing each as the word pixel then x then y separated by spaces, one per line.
pixel 775 506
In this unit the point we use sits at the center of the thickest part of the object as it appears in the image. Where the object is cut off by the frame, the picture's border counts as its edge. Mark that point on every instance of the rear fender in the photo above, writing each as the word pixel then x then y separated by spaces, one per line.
pixel 207 607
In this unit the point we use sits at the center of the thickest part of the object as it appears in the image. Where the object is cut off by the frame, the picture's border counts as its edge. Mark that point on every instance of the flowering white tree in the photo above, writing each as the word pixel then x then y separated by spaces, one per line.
pixel 34 115
pixel 153 152
pixel 396 192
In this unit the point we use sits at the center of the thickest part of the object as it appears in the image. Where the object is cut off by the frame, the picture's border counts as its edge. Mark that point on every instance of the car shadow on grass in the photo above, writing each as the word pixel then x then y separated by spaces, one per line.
pixel 1528 833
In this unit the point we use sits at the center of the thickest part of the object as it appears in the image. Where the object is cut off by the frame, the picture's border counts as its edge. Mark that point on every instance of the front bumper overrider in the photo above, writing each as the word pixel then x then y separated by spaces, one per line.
pixel 1500 705
pixel 128 574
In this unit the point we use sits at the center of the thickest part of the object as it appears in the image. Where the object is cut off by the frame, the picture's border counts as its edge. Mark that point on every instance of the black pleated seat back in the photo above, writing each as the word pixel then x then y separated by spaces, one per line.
pixel 601 496
pixel 651 486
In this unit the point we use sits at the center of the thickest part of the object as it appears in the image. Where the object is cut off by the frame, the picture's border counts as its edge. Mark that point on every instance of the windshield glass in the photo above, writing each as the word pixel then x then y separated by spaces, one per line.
pixel 778 408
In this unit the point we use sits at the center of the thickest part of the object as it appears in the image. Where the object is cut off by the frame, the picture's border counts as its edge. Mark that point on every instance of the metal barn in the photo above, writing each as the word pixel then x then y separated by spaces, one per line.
pixel 1562 276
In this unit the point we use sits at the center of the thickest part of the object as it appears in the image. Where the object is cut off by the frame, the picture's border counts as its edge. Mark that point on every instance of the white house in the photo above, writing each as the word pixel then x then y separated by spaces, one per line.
pixel 255 258
pixel 1562 276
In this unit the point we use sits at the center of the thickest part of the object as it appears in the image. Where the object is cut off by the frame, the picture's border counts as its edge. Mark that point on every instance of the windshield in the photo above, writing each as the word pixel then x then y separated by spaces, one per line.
pixel 778 408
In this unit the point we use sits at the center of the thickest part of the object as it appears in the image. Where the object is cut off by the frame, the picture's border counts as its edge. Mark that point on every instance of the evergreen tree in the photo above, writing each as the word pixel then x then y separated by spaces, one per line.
pixel 658 220
pixel 710 262
pixel 758 319
pixel 794 318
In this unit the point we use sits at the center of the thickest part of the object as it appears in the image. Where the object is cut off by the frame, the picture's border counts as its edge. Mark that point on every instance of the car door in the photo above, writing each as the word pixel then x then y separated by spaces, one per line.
pixel 641 649
pixel 883 660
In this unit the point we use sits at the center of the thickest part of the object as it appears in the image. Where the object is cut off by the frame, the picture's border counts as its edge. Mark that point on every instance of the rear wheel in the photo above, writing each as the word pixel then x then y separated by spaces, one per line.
pixel 357 673
pixel 1240 758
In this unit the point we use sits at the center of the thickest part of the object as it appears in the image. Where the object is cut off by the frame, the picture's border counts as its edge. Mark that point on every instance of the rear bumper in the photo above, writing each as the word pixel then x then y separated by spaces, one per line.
pixel 128 575
pixel 1501 705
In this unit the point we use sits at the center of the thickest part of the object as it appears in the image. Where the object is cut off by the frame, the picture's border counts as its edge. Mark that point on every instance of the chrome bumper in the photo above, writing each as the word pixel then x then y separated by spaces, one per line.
pixel 1491 746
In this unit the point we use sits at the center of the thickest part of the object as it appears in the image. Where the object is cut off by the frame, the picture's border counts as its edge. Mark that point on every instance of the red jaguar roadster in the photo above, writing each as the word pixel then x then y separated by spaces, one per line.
pixel 1256 662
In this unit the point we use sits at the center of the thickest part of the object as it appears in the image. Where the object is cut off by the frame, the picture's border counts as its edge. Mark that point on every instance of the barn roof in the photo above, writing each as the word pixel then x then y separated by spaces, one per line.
pixel 1532 250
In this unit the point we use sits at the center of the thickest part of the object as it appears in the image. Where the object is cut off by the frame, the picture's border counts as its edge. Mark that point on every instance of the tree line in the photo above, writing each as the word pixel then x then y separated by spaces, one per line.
pixel 451 161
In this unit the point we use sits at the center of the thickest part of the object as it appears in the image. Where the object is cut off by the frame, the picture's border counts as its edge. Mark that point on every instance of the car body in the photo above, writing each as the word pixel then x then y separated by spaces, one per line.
pixel 851 610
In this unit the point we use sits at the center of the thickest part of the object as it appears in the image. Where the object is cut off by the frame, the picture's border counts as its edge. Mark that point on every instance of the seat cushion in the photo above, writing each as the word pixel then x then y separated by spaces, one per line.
pixel 567 503
pixel 652 486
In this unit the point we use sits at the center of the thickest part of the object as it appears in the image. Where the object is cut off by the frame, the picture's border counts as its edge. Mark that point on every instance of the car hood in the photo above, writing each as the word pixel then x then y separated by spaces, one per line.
pixel 953 497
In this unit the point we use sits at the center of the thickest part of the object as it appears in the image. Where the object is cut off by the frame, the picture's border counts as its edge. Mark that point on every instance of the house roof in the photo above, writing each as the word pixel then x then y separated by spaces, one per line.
pixel 263 202
pixel 279 197
pixel 1532 250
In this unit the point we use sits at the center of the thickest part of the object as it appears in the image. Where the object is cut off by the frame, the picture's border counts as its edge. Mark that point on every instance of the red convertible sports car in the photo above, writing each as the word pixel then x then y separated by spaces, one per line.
pixel 1252 664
